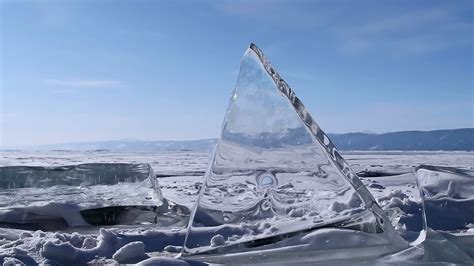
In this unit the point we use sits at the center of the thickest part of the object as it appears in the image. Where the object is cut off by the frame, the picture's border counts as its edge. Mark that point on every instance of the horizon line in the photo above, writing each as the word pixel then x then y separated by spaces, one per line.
pixel 204 139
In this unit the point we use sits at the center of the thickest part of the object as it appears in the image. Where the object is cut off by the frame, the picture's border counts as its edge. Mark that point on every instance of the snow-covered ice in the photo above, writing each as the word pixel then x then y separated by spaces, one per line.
pixel 393 172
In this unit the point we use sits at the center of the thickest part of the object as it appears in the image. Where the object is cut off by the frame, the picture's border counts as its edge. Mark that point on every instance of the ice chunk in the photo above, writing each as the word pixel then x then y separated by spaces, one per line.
pixel 444 247
pixel 274 165
pixel 13 177
pixel 53 198
pixel 131 253
pixel 447 196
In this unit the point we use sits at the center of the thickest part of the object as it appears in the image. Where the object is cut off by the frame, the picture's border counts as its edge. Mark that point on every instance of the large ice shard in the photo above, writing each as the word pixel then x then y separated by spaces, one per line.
pixel 275 177
pixel 55 198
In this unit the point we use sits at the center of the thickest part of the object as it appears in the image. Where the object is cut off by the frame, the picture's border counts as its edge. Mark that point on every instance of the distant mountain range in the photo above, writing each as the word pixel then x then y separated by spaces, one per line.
pixel 448 140
pixel 130 146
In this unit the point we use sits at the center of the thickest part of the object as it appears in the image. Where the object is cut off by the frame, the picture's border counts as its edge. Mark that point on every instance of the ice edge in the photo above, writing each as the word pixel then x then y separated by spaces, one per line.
pixel 331 150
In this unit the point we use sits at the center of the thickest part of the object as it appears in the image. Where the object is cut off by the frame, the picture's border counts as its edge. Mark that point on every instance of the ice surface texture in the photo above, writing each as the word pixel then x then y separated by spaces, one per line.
pixel 275 173
pixel 52 198
pixel 12 177
pixel 447 197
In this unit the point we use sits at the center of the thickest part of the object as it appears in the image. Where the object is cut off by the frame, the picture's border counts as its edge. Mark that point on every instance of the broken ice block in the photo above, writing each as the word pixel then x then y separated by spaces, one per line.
pixel 52 198
pixel 447 196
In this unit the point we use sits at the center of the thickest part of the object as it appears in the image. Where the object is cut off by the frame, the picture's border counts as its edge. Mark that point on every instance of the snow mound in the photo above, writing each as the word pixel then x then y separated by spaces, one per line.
pixel 130 253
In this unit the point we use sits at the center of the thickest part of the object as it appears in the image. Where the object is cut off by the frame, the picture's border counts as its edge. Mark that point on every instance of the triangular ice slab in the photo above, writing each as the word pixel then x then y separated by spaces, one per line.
pixel 275 175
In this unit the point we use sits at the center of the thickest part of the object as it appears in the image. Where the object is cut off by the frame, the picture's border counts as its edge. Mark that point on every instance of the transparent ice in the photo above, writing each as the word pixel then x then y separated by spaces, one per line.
pixel 53 198
pixel 447 196
pixel 275 175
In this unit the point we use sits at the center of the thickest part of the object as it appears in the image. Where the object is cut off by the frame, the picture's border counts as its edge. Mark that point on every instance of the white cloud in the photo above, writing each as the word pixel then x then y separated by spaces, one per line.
pixel 84 83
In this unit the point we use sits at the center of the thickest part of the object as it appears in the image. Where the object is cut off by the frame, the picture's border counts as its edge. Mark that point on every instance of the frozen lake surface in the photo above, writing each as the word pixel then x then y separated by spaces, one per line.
pixel 388 175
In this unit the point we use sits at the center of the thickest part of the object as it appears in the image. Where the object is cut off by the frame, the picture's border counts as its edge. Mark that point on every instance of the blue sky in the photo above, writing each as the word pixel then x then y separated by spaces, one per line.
pixel 155 70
